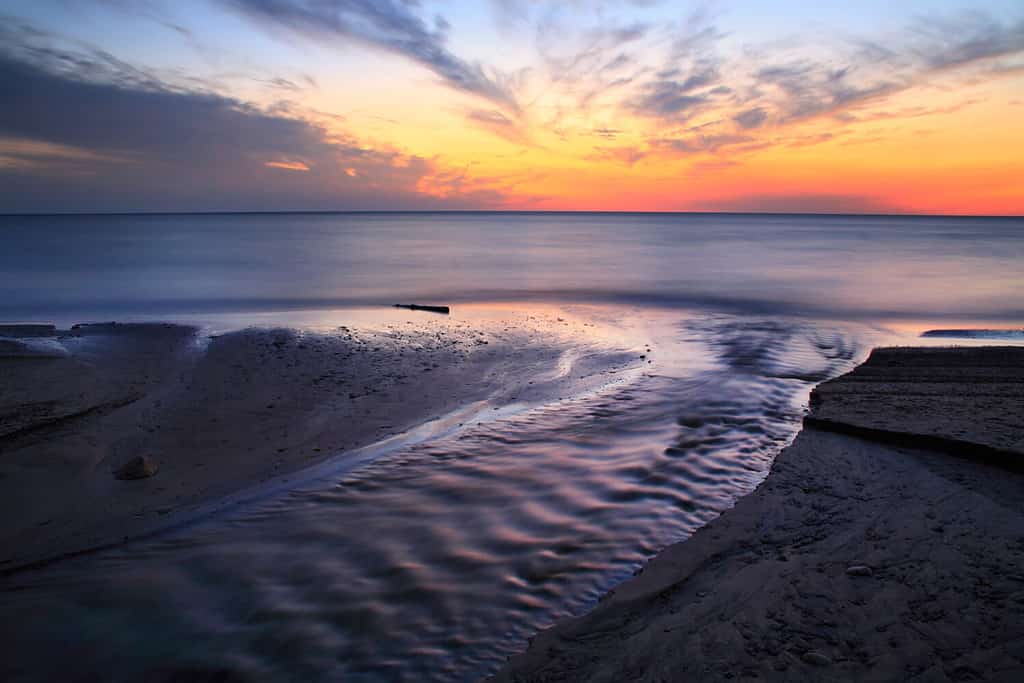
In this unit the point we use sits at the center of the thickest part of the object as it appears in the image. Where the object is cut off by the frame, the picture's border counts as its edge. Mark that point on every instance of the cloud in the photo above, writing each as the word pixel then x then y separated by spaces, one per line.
pixel 497 123
pixel 634 88
pixel 809 89
pixel 285 84
pixel 874 69
pixel 21 154
pixel 287 165
pixel 136 144
pixel 678 72
pixel 627 156
pixel 390 25
pixel 673 98
pixel 690 78
pixel 143 120
pixel 150 10
pixel 606 132
pixel 697 38
pixel 680 91
pixel 678 147
pixel 915 112
pixel 966 38
pixel 586 59
pixel 627 34
pixel 573 56
pixel 751 118
pixel 664 99
pixel 787 84
pixel 810 140
pixel 510 15
pixel 617 62
pixel 696 144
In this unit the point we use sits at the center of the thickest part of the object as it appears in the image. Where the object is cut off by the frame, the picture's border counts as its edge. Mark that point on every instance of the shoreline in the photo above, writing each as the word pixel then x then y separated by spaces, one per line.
pixel 464 545
pixel 861 558
pixel 821 518
pixel 233 417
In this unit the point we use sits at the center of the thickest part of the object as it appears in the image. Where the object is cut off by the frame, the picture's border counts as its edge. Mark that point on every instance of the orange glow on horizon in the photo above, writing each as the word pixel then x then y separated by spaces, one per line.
pixel 575 111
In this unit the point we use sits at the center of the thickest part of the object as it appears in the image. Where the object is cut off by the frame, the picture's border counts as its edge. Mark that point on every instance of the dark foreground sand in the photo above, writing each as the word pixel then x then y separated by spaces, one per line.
pixel 859 558
pixel 217 416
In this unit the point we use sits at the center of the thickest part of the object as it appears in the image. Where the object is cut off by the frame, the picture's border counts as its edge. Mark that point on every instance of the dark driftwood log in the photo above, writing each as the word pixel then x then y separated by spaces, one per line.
pixel 431 309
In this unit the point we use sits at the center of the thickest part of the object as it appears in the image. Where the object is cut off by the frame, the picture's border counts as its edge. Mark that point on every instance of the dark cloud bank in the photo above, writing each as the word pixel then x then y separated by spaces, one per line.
pixel 80 134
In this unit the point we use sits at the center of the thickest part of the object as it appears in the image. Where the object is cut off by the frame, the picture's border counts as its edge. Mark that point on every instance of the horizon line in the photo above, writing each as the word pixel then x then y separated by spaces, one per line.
pixel 24 214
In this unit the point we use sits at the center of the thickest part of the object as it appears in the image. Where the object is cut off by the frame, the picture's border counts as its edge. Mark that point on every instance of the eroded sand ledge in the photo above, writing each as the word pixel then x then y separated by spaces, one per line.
pixel 856 559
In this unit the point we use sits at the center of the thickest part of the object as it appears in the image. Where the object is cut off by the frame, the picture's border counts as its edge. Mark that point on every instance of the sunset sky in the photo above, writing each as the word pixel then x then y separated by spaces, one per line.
pixel 872 106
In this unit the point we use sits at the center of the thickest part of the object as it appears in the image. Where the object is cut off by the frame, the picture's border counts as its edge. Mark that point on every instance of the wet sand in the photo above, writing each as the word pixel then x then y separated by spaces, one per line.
pixel 887 543
pixel 213 416
pixel 436 560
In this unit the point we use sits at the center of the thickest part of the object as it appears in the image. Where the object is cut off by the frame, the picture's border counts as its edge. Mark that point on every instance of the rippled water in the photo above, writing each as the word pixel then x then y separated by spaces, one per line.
pixel 438 560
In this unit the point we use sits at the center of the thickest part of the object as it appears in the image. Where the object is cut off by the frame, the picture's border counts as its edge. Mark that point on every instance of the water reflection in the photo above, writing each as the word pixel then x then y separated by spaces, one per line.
pixel 435 562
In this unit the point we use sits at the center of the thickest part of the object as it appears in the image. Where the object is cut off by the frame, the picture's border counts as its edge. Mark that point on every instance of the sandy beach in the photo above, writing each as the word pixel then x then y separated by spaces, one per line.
pixel 110 432
pixel 885 544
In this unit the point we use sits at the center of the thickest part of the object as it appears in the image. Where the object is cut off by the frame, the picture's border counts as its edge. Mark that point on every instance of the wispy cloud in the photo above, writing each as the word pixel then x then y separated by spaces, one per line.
pixel 780 84
pixel 679 147
pixel 702 143
pixel 390 25
pixel 751 118
pixel 498 124
pixel 864 71
pixel 969 37
pixel 627 156
pixel 666 99
pixel 690 77
pixel 677 98
pixel 805 89
pixel 287 165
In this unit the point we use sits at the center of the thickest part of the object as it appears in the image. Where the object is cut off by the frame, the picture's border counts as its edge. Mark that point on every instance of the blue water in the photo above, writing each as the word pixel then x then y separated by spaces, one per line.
pixel 863 266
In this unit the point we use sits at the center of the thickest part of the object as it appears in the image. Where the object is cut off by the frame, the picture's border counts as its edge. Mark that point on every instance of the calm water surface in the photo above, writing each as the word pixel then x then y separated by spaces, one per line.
pixel 848 265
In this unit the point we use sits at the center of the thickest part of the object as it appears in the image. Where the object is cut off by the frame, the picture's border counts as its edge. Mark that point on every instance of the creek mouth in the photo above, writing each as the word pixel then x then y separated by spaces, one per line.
pixel 439 559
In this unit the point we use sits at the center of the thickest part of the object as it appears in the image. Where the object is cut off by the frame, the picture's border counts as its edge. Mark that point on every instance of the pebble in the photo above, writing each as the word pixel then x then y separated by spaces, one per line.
pixel 859 570
pixel 139 467
pixel 816 658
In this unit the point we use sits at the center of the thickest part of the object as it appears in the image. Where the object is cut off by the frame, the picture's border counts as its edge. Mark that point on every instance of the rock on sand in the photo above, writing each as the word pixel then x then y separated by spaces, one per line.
pixel 139 467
